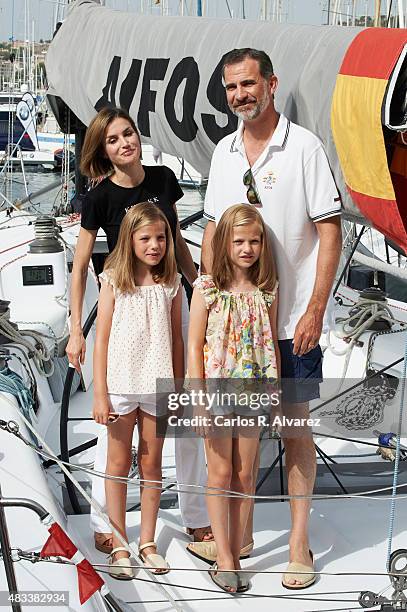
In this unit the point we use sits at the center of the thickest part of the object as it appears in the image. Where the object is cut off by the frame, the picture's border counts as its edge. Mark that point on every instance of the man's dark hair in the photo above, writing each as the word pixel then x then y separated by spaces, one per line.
pixel 238 55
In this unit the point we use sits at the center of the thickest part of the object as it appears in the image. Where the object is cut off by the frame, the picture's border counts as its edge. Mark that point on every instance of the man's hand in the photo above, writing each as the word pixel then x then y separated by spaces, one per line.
pixel 76 350
pixel 308 331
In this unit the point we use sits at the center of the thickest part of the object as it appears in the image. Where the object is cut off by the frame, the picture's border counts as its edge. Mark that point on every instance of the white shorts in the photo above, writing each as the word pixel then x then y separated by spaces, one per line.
pixel 126 403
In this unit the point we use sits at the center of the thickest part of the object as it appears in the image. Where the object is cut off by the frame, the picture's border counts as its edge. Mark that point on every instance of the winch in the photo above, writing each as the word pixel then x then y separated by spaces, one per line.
pixel 398 579
pixel 36 283
pixel 362 312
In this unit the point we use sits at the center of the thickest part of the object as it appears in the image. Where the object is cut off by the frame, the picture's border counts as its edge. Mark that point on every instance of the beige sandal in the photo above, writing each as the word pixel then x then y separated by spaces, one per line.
pixel 207 551
pixel 154 562
pixel 305 575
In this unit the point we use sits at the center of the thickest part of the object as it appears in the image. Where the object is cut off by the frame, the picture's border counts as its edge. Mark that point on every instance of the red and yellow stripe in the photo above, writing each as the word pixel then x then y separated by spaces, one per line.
pixel 357 129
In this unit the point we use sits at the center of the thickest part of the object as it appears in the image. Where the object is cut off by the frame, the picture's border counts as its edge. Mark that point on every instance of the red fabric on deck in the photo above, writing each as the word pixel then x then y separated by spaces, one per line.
pixel 89 580
pixel 60 545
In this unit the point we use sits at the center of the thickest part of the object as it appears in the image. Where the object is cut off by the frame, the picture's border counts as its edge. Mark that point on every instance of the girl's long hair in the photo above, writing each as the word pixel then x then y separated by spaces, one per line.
pixel 121 264
pixel 94 161
pixel 263 273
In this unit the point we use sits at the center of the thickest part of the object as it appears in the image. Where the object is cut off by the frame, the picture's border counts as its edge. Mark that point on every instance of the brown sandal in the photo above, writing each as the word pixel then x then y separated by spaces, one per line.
pixel 198 533
pixel 103 542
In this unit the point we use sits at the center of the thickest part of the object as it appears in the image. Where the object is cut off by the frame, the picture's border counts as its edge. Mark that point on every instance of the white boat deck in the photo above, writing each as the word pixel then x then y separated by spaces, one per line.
pixel 342 540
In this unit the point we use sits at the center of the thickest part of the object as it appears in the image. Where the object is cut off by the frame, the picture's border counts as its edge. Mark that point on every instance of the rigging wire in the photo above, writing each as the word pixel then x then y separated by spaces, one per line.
pixel 397 460
pixel 315 596
pixel 158 484
pixel 300 597
pixel 253 570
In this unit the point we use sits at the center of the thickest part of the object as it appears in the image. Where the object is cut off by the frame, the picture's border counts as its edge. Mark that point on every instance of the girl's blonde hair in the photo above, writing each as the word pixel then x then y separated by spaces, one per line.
pixel 94 161
pixel 263 272
pixel 122 262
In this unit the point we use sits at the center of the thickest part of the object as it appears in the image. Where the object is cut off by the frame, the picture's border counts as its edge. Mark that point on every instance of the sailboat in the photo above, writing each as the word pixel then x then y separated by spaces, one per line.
pixel 346 85
pixel 18 130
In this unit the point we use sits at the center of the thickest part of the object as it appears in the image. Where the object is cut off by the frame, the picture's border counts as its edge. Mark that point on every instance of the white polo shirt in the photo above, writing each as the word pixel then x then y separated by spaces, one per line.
pixel 297 189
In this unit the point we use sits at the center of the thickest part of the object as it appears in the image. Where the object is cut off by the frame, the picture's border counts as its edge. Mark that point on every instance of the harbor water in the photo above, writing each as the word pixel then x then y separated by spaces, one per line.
pixel 18 186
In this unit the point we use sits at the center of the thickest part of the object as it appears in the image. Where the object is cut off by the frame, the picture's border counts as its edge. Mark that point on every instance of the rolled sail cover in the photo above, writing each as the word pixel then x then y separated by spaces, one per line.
pixel 167 72
pixel 373 159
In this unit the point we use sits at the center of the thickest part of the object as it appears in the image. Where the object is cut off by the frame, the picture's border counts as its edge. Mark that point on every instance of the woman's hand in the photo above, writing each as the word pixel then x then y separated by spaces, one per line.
pixel 101 409
pixel 184 257
pixel 76 350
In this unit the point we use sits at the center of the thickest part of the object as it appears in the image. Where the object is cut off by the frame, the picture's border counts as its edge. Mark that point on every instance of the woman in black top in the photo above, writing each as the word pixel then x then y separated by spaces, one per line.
pixel 112 147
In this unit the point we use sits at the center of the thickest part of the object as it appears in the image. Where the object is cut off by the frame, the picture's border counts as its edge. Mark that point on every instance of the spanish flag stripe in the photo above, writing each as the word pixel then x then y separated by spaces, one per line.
pixel 358 134
pixel 366 56
pixel 384 214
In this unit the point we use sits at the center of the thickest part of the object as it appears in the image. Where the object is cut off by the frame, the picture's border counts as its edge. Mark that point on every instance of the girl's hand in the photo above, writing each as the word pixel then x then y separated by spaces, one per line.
pixel 203 422
pixel 101 409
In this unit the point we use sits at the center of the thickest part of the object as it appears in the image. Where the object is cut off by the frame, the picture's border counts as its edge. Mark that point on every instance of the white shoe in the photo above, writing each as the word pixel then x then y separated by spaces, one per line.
pixel 120 568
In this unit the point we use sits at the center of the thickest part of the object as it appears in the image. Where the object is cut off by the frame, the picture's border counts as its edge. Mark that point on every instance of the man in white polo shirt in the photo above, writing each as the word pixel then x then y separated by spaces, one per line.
pixel 282 169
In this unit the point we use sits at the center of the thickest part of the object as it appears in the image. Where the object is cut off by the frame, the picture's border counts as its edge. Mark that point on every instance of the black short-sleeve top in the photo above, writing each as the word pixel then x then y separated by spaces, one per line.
pixel 105 205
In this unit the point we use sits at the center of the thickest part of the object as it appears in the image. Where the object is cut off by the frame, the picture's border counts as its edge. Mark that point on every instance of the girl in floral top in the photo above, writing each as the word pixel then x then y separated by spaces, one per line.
pixel 233 335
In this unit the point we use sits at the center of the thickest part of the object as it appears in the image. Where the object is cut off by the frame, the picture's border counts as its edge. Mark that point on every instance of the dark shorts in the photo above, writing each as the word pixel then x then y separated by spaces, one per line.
pixel 300 374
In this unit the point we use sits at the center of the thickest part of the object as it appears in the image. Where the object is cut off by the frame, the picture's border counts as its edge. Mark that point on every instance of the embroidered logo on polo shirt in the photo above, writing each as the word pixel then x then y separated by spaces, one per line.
pixel 269 179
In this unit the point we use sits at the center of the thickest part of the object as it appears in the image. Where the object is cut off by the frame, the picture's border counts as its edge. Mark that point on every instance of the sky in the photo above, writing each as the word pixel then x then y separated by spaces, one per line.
pixel 40 15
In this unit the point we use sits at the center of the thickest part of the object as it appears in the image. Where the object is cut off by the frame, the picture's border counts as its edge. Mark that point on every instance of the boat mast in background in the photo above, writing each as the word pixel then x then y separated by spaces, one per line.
pixel 350 13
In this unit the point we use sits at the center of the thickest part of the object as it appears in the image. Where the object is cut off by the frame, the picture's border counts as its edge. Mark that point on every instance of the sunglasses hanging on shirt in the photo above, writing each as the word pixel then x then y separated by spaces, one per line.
pixel 252 194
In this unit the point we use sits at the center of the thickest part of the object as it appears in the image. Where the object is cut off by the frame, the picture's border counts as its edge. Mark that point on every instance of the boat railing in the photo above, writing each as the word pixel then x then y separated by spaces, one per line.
pixel 66 453
pixel 5 540
pixel 196 216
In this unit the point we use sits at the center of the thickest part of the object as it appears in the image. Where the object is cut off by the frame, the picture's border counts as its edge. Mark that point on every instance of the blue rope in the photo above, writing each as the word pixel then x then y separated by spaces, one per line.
pixel 397 460
pixel 12 383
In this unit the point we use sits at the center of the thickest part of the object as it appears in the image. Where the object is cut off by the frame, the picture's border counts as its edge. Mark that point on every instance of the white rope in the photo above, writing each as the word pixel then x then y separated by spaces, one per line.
pixel 40 354
pixel 368 312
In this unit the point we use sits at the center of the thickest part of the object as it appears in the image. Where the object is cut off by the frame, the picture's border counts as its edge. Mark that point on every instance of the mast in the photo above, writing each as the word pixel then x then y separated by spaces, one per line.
pixel 401 14
pixel 264 10
pixel 353 12
pixel 378 4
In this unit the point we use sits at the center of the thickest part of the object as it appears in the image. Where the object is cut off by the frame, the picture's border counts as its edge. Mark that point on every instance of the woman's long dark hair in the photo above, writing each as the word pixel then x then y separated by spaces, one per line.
pixel 94 161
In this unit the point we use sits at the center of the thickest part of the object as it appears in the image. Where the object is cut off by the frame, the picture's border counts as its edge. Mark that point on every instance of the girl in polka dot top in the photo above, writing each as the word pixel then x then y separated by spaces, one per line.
pixel 138 340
